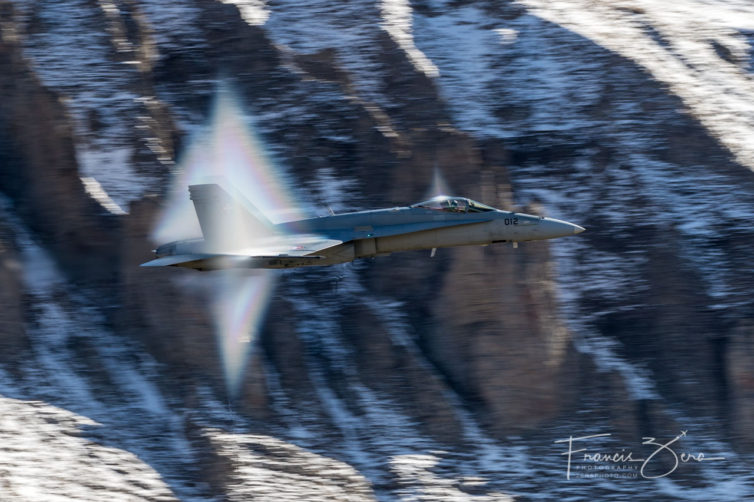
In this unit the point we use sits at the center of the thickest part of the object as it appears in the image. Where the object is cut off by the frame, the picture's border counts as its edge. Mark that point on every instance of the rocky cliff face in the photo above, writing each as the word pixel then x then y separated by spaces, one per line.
pixel 404 375
pixel 40 172
pixel 12 300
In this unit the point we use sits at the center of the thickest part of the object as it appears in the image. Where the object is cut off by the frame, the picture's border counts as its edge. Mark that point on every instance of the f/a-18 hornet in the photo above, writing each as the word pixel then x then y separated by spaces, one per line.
pixel 238 235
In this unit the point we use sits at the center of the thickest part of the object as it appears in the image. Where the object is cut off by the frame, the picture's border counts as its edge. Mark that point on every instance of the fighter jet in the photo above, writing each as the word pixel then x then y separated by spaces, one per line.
pixel 237 235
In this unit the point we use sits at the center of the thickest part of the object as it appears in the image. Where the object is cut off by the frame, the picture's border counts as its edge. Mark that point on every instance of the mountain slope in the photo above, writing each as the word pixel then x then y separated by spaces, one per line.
pixel 401 377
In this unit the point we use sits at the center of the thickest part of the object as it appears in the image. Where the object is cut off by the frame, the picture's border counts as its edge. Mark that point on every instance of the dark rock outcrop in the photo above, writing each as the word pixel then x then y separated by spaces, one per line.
pixel 39 170
pixel 739 359
pixel 507 352
pixel 13 340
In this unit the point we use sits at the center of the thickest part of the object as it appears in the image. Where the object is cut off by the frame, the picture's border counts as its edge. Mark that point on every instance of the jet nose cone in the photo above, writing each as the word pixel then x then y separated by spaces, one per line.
pixel 552 228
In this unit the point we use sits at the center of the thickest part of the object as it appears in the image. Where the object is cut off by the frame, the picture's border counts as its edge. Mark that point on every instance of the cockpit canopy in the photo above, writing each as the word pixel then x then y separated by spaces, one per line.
pixel 454 205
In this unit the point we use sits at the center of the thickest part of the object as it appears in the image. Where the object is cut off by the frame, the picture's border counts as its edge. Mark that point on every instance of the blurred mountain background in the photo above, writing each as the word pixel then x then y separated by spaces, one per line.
pixel 403 377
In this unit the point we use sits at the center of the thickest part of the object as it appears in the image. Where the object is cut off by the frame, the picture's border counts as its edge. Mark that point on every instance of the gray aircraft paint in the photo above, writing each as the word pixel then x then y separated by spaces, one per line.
pixel 254 242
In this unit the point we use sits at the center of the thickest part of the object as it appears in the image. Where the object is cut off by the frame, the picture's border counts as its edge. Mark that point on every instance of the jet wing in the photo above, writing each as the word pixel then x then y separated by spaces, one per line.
pixel 280 252
pixel 305 245
pixel 178 260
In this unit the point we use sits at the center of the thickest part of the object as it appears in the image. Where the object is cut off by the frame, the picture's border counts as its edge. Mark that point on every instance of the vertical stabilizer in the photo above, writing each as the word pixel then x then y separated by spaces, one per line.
pixel 228 222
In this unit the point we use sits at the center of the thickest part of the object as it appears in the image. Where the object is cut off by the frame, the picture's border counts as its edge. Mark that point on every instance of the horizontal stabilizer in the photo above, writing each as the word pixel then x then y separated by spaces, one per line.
pixel 223 261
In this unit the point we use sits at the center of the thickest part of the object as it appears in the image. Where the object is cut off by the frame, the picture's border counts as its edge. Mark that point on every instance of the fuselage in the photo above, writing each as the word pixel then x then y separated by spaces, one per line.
pixel 383 231
pixel 479 228
pixel 411 228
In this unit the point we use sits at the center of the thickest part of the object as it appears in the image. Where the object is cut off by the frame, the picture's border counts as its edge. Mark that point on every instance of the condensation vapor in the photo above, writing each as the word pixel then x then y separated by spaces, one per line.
pixel 228 153
pixel 439 185
pixel 239 305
